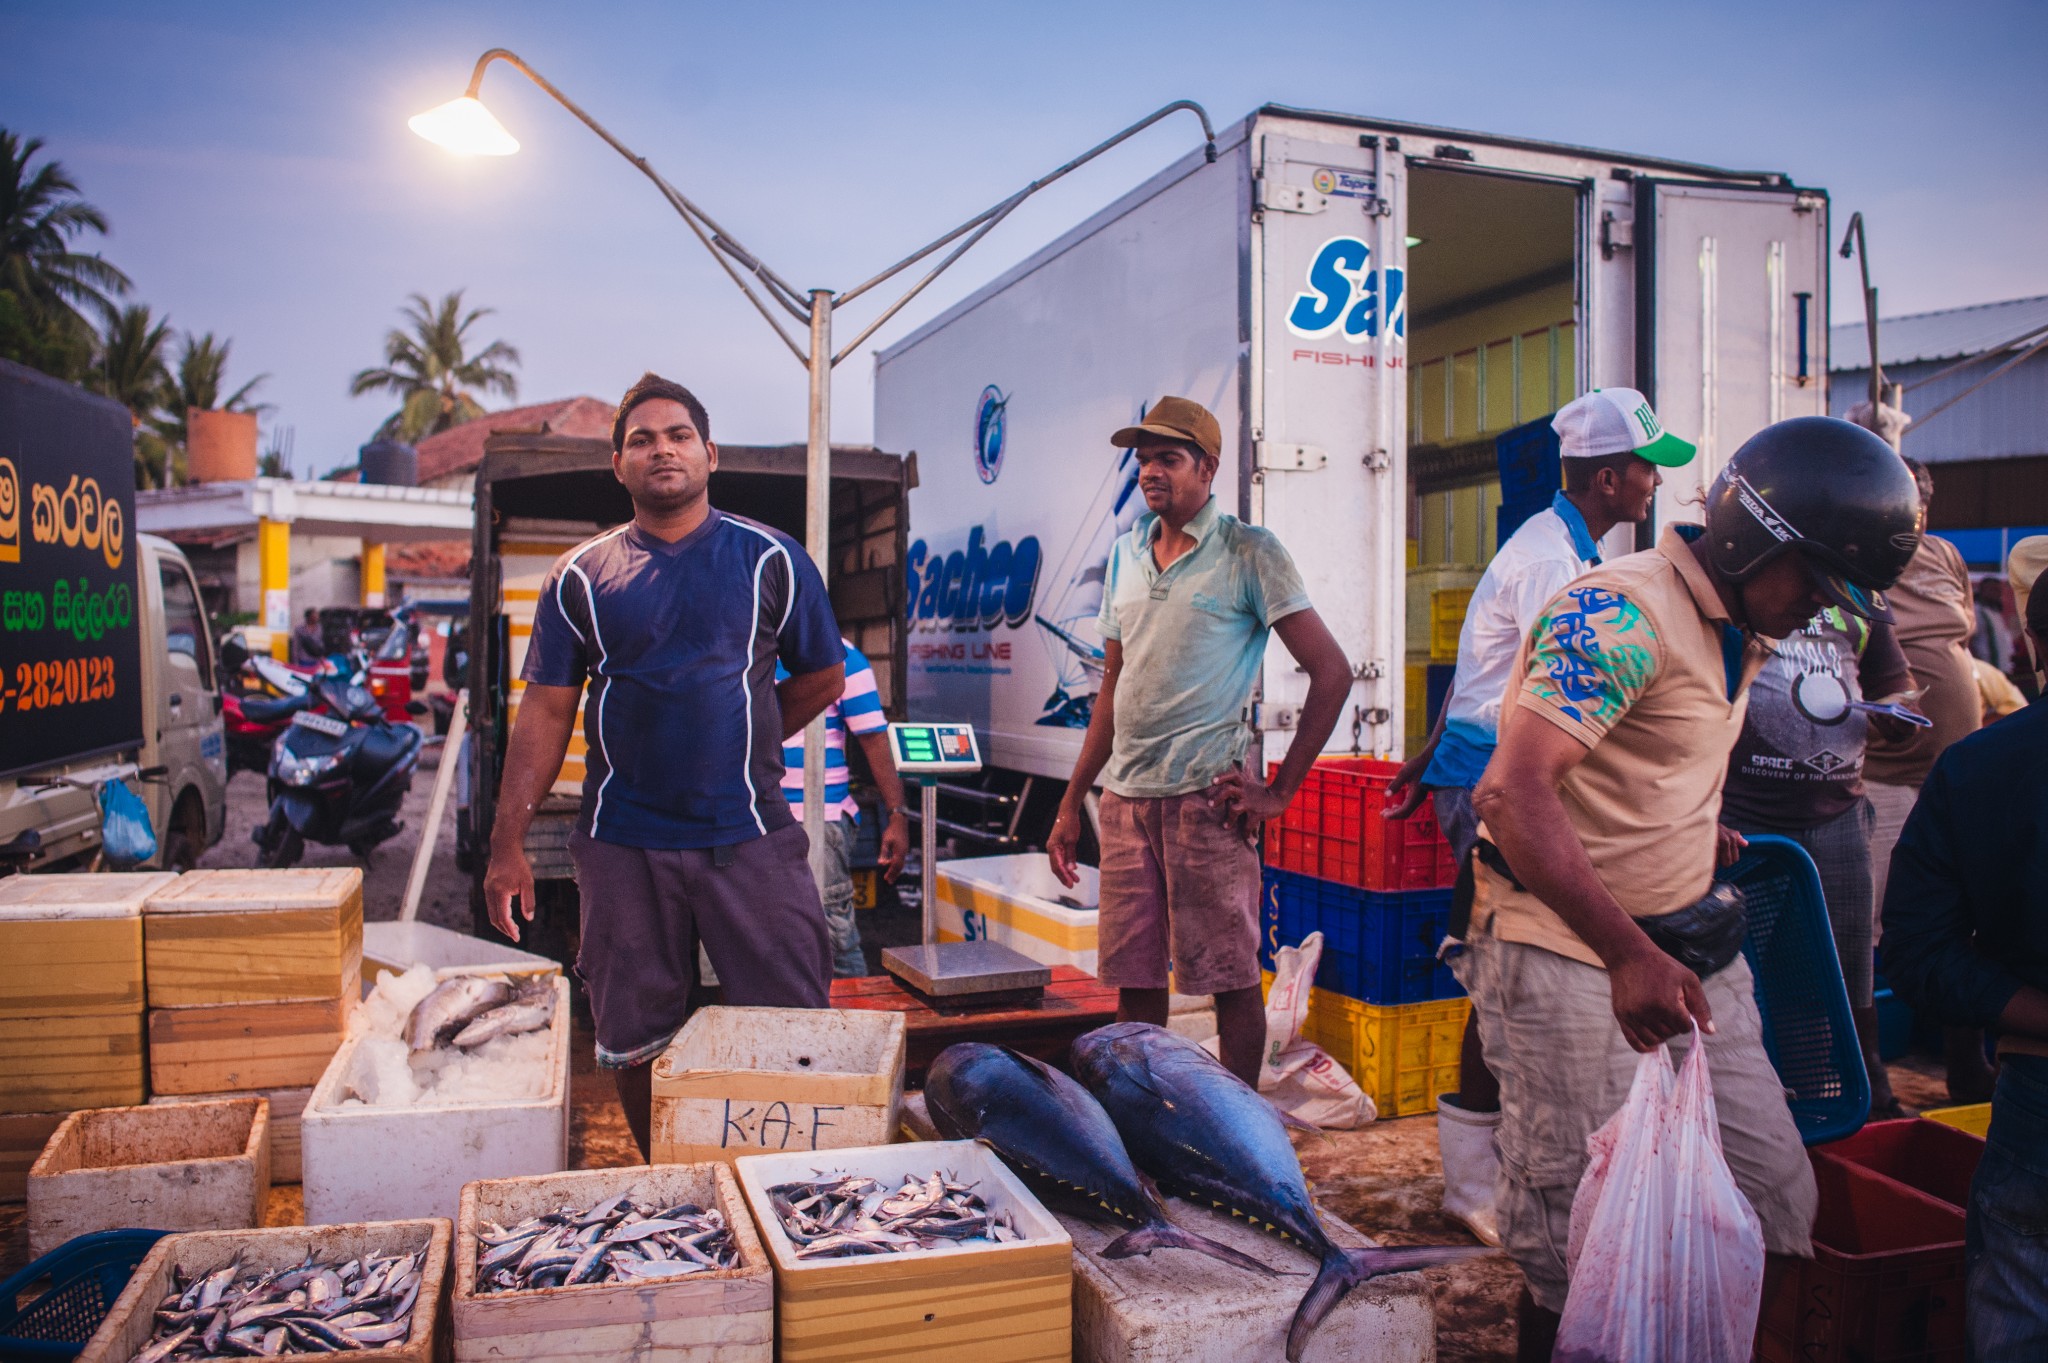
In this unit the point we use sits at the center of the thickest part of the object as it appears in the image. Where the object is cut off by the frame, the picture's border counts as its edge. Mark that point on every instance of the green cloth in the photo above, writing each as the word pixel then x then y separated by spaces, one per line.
pixel 1193 637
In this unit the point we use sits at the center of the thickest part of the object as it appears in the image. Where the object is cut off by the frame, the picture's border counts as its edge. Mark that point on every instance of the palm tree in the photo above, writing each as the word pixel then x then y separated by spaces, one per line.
pixel 42 279
pixel 201 375
pixel 130 369
pixel 433 372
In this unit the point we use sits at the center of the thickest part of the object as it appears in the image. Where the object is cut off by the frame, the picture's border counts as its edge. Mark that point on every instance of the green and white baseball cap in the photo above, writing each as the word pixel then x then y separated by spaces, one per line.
pixel 1617 421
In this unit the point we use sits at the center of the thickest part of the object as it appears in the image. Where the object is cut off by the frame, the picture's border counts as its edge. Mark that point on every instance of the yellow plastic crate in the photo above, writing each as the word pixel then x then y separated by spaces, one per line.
pixel 1447 617
pixel 1974 1118
pixel 1417 728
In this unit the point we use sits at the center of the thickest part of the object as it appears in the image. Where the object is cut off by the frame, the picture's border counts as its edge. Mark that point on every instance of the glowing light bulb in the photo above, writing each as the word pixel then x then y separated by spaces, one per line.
pixel 465 127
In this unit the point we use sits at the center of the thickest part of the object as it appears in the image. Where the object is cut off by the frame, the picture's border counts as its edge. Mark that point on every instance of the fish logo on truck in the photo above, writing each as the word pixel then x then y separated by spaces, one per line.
pixel 976 588
pixel 990 431
pixel 1343 297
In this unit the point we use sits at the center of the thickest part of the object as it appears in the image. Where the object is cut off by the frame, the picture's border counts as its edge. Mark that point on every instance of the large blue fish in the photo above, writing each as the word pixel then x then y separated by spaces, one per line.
pixel 1046 1127
pixel 1204 1133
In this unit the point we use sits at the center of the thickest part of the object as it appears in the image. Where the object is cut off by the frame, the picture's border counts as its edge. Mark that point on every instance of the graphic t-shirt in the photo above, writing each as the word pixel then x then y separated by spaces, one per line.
pixel 1799 762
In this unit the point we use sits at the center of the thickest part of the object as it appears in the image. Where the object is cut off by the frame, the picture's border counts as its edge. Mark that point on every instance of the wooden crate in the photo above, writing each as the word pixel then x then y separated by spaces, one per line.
pixel 254 937
pixel 127 1326
pixel 286 1105
pixel 1009 1303
pixel 58 1064
pixel 22 1138
pixel 72 944
pixel 722 1316
pixel 199 1166
pixel 739 1081
pixel 247 1047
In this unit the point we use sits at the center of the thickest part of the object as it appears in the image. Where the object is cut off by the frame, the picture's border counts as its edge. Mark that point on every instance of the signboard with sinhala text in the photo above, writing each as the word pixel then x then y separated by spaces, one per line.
pixel 70 613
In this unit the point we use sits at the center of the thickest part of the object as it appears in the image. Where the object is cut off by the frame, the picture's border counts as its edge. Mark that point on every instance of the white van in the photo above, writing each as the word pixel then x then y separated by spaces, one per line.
pixel 1366 305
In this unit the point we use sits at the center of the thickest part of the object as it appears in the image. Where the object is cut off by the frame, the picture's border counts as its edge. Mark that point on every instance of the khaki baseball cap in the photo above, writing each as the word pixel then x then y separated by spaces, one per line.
pixel 1181 420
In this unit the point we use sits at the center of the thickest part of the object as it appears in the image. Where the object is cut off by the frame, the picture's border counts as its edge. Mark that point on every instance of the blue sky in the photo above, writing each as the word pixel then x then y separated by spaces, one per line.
pixel 261 182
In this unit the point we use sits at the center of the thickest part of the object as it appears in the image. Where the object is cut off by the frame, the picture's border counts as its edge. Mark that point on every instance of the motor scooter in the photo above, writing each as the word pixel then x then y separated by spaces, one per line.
pixel 338 774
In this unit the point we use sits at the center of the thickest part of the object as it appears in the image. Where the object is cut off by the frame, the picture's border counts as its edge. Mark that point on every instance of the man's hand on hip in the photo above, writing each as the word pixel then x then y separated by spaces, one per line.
pixel 1245 799
pixel 509 874
pixel 1656 998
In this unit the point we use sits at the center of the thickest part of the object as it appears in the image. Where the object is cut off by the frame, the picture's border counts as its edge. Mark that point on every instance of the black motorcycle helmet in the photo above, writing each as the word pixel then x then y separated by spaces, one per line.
pixel 1829 489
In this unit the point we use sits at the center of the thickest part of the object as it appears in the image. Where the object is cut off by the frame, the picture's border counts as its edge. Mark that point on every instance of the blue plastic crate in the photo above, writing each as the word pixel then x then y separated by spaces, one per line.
pixel 75 1286
pixel 1379 947
pixel 1894 1026
pixel 1808 1030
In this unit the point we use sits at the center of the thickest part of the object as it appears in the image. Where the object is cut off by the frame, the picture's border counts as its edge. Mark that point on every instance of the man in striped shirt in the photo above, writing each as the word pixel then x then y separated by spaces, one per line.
pixel 857 711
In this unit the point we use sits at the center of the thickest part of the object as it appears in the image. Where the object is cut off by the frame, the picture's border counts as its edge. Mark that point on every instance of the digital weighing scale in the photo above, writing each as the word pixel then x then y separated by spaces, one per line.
pixel 952 974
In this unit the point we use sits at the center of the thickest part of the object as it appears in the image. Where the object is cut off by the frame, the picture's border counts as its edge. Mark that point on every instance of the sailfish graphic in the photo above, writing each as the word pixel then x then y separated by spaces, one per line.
pixel 1069 633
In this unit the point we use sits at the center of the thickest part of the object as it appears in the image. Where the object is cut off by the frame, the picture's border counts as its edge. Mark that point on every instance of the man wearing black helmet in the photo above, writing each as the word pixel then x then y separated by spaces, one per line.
pixel 1597 928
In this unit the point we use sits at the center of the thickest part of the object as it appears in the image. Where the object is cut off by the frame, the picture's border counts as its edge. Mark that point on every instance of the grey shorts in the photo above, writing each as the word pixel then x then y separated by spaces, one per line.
pixel 1547 1023
pixel 645 910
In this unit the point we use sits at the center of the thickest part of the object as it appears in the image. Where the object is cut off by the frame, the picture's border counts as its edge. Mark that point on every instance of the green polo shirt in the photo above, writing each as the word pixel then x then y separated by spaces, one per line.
pixel 1193 637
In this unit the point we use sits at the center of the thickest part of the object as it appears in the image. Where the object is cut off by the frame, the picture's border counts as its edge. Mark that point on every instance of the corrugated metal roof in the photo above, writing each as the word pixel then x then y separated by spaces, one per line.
pixel 1946 335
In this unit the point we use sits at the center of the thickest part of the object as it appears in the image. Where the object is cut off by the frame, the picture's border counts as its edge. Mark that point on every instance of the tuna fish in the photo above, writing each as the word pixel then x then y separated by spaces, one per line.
pixel 450 1007
pixel 1203 1132
pixel 1049 1129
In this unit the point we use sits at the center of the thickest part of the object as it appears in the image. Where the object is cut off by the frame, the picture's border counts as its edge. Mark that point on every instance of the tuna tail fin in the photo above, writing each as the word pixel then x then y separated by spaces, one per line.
pixel 1165 1235
pixel 1345 1269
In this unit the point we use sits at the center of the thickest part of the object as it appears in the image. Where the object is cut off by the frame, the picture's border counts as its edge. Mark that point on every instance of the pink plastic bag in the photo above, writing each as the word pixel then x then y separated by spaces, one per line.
pixel 1666 1254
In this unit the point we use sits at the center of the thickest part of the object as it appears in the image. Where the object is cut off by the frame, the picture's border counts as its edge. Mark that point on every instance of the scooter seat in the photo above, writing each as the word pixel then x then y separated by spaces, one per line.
pixel 268 710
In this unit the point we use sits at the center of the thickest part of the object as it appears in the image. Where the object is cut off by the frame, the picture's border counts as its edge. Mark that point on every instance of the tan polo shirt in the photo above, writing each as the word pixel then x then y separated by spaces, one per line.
pixel 1935 618
pixel 1630 661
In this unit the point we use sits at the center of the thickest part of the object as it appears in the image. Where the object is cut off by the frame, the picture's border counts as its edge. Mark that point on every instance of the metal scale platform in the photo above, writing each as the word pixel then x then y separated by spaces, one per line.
pixel 952 975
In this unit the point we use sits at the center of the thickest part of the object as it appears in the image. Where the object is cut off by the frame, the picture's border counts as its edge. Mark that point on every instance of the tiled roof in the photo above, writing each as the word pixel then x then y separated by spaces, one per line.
pixel 461 448
pixel 428 558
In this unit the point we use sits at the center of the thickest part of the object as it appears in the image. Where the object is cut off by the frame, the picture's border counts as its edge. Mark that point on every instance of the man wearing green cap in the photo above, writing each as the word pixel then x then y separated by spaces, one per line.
pixel 1189 597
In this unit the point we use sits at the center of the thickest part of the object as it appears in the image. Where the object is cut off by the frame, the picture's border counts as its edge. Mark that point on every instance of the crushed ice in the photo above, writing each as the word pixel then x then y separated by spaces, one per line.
pixel 384 1073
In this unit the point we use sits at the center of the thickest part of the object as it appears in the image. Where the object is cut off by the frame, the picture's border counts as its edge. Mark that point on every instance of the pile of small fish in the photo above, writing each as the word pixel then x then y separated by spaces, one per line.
pixel 465 1011
pixel 842 1217
pixel 622 1241
pixel 316 1308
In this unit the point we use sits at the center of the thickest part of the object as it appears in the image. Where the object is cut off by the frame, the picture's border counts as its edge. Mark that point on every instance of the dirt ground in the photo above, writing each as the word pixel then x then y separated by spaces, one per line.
pixel 1384 1179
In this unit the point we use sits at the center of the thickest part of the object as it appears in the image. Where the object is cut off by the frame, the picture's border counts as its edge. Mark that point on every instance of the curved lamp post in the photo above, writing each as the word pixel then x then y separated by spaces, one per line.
pixel 466 127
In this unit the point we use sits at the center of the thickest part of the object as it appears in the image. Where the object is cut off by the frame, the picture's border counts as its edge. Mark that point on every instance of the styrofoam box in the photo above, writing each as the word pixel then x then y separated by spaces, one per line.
pixel 993 1303
pixel 1015 900
pixel 399 946
pixel 739 1080
pixel 393 1164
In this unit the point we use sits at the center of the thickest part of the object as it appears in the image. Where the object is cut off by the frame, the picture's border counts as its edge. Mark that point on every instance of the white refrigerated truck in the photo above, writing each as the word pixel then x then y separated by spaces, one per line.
pixel 1365 304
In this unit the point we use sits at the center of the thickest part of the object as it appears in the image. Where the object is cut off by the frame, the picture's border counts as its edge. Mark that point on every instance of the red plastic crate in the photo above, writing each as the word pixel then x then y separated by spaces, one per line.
pixel 1885 1284
pixel 1333 830
pixel 1937 1160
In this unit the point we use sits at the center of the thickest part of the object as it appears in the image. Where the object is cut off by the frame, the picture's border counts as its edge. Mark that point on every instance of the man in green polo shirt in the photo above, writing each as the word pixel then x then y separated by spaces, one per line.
pixel 1189 599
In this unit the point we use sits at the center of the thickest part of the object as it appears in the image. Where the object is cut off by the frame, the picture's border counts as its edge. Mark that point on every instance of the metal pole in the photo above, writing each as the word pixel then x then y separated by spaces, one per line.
pixel 930 855
pixel 817 534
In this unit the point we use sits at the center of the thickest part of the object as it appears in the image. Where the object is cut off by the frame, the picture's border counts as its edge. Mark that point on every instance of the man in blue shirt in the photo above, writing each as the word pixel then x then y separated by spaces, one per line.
pixel 677 620
pixel 1966 939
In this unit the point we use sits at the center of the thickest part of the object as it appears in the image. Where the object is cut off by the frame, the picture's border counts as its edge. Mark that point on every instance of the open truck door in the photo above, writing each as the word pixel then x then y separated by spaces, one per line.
pixel 1325 464
pixel 1731 317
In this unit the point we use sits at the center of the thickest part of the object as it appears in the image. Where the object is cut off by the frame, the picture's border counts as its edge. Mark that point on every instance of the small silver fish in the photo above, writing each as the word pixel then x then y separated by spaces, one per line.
pixel 511 1019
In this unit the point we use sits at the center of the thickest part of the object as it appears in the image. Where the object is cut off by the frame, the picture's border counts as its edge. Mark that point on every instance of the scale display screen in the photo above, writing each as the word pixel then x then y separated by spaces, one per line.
pixel 927 749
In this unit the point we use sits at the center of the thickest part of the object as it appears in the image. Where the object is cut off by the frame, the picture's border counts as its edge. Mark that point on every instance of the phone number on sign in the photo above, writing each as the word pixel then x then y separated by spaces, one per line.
pixel 67 681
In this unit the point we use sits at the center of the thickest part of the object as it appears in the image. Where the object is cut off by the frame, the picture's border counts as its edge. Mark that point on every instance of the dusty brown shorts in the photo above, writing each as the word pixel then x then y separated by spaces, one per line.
pixel 1178 885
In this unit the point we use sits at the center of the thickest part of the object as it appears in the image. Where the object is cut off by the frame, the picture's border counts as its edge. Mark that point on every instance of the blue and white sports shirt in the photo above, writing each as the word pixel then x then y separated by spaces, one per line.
pixel 858 709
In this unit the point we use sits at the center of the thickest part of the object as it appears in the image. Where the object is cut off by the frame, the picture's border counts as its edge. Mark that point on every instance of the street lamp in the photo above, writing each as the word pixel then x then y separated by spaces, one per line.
pixel 466 127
